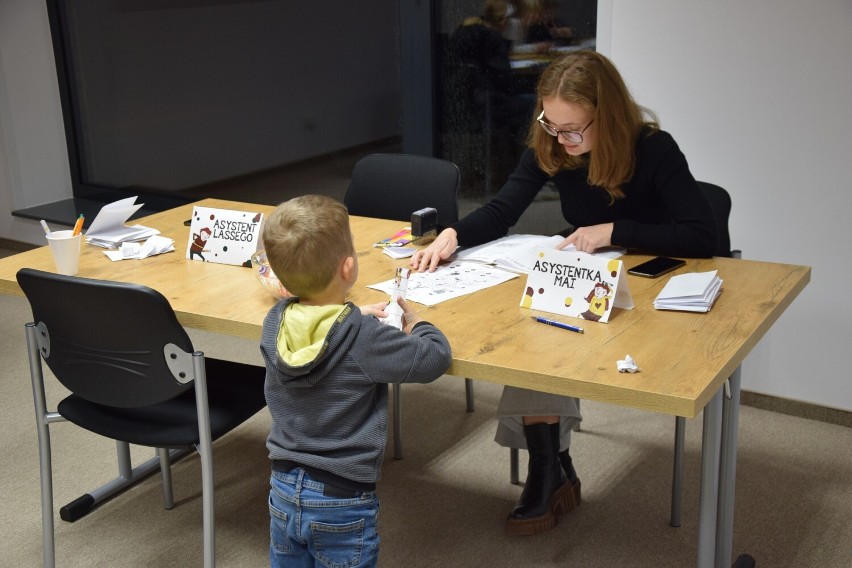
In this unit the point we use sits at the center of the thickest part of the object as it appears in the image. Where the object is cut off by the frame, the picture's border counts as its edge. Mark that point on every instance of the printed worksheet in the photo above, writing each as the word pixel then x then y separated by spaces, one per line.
pixel 448 281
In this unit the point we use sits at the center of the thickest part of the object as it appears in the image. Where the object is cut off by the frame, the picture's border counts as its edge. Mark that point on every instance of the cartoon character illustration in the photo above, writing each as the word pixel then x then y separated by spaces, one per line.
pixel 598 300
pixel 199 239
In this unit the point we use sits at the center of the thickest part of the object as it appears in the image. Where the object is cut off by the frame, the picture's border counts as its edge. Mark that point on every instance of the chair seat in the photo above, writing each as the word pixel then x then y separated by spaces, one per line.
pixel 234 392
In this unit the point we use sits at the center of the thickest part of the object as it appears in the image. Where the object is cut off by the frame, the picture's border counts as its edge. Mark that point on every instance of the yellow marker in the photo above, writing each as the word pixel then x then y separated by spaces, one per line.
pixel 78 226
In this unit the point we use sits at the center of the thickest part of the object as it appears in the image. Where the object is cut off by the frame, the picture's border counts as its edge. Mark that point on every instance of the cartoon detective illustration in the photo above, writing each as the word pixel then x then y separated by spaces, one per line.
pixel 199 239
pixel 598 299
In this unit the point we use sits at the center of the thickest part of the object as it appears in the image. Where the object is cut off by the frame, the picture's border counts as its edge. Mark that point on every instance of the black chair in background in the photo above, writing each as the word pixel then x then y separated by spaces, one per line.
pixel 135 378
pixel 393 186
pixel 720 202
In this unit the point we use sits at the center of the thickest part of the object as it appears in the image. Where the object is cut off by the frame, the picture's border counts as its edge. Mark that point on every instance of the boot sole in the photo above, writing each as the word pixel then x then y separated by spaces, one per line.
pixel 564 500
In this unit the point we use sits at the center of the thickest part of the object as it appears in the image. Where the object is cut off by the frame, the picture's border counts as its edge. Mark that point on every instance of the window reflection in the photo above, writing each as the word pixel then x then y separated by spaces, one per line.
pixel 490 54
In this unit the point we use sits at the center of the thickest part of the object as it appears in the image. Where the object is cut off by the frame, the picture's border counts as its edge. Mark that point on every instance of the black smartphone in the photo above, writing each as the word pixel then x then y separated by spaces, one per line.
pixel 656 267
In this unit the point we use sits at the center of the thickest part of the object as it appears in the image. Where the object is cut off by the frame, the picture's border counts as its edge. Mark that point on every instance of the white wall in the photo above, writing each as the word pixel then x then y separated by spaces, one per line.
pixel 759 96
pixel 33 158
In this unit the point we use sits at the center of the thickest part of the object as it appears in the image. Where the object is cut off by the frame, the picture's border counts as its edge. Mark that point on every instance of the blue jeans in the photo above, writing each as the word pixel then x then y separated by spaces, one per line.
pixel 309 529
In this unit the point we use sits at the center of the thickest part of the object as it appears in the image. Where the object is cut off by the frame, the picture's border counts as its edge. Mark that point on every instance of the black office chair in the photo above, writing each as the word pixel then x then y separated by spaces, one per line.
pixel 720 202
pixel 135 378
pixel 392 186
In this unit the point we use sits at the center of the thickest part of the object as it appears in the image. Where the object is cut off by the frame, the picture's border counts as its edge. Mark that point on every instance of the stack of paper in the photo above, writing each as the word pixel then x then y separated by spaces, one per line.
pixel 108 229
pixel 690 292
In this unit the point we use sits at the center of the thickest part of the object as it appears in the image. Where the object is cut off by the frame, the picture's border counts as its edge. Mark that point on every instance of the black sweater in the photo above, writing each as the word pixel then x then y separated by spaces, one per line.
pixel 662 212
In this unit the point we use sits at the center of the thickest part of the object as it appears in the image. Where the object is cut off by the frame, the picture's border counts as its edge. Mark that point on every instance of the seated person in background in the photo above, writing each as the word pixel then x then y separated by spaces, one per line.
pixel 481 71
pixel 328 365
pixel 542 25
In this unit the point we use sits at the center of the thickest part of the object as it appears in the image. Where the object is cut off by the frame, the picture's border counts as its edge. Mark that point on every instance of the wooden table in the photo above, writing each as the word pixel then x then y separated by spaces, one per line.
pixel 685 358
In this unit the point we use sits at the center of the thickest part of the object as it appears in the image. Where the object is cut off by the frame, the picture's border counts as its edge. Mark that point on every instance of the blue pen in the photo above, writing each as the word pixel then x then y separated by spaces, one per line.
pixel 558 324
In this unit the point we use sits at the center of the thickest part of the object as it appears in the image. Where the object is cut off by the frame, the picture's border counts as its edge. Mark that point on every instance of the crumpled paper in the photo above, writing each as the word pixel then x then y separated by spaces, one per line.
pixel 627 365
pixel 154 245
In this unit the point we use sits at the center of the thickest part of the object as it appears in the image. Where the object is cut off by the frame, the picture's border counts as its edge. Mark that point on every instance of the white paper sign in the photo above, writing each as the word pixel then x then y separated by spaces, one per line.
pixel 223 235
pixel 576 284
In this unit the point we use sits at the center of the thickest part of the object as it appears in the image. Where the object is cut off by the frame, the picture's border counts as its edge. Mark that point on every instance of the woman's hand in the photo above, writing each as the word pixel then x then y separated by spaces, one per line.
pixel 377 310
pixel 440 249
pixel 589 239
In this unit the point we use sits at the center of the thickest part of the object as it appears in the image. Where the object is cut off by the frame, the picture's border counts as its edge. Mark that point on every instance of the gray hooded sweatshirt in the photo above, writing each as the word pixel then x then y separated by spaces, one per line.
pixel 327 375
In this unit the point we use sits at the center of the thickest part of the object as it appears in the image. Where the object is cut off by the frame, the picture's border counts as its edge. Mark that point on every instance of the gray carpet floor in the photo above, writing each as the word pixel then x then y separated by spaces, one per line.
pixel 445 503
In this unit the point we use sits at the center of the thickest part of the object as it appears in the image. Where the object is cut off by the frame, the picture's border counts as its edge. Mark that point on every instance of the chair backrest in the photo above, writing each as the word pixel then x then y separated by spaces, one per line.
pixel 720 202
pixel 393 186
pixel 104 340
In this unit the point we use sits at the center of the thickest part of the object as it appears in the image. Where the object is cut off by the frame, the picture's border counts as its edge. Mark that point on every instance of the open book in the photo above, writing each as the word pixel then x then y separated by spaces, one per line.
pixel 516 253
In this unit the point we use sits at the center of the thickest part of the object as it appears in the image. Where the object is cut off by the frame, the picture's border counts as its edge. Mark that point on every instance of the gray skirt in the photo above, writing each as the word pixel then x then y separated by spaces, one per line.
pixel 516 403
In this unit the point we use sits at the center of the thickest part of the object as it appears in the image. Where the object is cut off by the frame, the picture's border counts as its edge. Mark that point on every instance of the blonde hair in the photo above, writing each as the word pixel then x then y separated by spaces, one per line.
pixel 306 238
pixel 590 80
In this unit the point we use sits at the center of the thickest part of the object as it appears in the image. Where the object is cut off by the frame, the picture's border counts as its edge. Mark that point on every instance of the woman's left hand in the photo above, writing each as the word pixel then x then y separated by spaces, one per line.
pixel 589 239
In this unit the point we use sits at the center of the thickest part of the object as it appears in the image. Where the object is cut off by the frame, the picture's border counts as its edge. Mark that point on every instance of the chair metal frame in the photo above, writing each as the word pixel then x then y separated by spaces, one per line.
pixel 185 367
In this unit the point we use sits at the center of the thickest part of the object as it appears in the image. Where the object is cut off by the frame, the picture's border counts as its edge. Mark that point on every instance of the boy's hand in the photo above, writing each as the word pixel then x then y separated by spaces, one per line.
pixel 377 310
pixel 409 316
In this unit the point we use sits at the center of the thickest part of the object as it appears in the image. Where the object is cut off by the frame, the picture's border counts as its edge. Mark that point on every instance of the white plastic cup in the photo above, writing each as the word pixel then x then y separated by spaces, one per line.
pixel 66 251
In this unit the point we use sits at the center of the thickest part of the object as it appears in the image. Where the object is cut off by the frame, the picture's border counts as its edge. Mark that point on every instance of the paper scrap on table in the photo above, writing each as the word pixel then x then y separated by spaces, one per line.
pixel 627 365
pixel 135 251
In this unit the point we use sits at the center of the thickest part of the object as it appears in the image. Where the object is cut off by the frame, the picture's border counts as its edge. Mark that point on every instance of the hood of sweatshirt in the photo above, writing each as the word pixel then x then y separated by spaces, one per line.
pixel 308 337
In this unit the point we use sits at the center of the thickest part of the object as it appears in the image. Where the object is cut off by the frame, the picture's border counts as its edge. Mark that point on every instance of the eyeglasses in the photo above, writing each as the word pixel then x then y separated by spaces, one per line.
pixel 572 136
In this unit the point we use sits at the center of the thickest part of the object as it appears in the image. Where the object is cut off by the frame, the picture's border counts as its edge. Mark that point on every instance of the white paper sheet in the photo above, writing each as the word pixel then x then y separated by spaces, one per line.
pixel 448 281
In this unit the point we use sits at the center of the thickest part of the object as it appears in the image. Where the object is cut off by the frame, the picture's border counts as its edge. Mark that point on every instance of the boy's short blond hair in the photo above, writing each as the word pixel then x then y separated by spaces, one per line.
pixel 306 238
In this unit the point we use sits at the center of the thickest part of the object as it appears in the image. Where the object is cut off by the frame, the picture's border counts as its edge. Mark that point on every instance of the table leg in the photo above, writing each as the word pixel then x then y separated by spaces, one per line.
pixel 707 507
pixel 727 471
pixel 677 471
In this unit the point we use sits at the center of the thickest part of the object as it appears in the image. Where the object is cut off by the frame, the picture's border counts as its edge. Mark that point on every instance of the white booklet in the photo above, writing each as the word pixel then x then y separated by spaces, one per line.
pixel 108 229
pixel 690 292
pixel 517 253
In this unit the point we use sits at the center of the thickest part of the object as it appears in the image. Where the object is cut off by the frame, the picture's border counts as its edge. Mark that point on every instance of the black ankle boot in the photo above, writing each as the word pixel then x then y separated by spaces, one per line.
pixel 547 491
pixel 568 466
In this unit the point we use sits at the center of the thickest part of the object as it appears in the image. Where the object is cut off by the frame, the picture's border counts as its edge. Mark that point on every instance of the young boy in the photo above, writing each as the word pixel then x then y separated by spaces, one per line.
pixel 328 368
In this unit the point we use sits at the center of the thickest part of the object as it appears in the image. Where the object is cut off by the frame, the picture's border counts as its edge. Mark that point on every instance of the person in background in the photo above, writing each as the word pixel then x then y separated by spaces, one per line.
pixel 482 71
pixel 542 24
pixel 328 365
pixel 621 181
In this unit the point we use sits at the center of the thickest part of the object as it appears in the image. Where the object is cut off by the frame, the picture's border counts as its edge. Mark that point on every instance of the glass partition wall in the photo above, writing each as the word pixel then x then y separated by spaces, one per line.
pixel 261 101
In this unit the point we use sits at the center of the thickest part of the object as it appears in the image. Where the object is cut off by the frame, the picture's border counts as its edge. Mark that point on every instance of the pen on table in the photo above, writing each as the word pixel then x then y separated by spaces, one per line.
pixel 78 226
pixel 558 324
pixel 45 227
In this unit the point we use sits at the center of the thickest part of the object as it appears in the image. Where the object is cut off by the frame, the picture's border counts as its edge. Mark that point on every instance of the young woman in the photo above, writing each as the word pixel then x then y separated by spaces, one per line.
pixel 621 181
